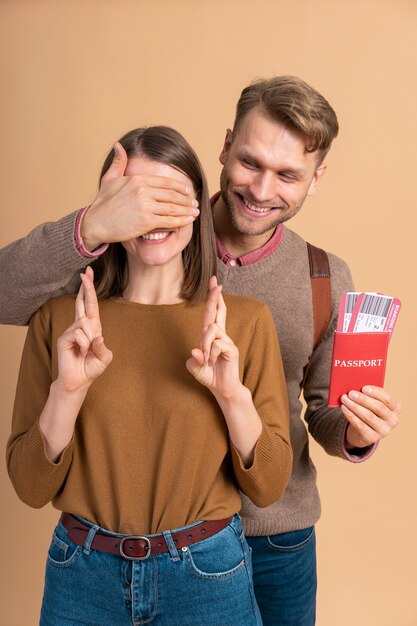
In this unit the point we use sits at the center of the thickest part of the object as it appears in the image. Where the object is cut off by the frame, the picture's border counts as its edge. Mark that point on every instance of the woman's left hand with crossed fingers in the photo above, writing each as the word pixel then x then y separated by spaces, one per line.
pixel 216 366
pixel 216 363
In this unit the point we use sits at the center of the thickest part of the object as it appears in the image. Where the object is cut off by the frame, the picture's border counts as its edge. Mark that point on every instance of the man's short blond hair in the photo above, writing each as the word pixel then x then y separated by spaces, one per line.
pixel 292 102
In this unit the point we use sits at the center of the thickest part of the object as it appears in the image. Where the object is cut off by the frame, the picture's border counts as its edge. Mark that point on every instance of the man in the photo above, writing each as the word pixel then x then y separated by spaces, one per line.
pixel 272 160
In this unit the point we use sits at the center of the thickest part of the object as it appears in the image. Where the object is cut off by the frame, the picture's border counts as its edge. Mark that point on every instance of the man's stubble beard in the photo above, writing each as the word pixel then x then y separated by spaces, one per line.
pixel 253 228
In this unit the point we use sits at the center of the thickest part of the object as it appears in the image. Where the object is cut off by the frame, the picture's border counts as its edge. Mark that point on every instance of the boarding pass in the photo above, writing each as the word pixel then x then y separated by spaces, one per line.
pixel 367 312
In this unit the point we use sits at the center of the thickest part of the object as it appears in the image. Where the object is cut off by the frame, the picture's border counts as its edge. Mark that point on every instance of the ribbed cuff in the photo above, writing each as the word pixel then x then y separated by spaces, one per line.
pixel 275 525
pixel 42 466
pixel 264 454
pixel 35 478
pixel 79 241
pixel 357 455
pixel 265 481
pixel 60 241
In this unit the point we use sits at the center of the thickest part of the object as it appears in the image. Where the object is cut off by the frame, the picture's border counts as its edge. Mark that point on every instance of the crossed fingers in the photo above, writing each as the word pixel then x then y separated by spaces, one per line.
pixel 213 333
pixel 86 303
pixel 87 324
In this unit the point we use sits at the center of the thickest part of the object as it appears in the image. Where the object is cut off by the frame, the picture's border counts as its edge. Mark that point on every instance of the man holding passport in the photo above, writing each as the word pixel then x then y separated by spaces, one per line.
pixel 272 159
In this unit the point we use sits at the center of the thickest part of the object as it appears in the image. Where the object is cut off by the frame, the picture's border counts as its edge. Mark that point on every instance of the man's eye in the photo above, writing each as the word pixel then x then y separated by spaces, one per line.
pixel 248 163
pixel 288 177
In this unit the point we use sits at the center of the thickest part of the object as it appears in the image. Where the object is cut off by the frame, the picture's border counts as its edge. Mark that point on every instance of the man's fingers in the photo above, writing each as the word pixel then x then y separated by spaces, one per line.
pixel 370 418
pixel 380 394
pixel 361 412
pixel 167 210
pixel 169 196
pixel 364 434
pixel 378 404
pixel 164 182
pixel 166 223
pixel 118 165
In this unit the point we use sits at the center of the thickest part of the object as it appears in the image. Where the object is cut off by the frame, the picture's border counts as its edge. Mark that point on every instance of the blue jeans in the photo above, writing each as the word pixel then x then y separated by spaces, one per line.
pixel 285 577
pixel 206 584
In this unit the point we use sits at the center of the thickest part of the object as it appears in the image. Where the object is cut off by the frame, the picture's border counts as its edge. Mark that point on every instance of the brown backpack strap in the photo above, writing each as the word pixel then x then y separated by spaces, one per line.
pixel 320 290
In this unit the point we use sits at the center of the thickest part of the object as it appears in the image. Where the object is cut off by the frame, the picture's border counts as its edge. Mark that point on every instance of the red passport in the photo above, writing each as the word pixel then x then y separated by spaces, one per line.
pixel 358 359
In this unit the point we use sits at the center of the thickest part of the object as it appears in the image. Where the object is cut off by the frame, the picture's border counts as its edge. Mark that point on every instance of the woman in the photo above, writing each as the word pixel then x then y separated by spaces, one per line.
pixel 145 457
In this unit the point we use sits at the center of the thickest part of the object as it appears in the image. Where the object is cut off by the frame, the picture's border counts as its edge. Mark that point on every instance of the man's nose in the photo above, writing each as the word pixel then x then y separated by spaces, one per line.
pixel 263 188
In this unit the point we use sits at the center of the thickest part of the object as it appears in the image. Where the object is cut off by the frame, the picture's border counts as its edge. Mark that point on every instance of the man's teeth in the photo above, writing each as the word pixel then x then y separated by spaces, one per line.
pixel 258 209
pixel 156 235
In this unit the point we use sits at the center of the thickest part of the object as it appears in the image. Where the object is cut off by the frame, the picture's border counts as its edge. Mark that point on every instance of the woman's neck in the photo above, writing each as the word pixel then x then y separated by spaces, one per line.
pixel 154 284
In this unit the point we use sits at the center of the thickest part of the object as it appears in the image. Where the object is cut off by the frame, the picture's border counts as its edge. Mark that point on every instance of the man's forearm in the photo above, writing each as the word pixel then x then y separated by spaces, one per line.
pixel 42 265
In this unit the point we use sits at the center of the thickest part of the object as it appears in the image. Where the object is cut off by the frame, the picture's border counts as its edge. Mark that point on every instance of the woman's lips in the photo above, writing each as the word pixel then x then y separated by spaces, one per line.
pixel 156 236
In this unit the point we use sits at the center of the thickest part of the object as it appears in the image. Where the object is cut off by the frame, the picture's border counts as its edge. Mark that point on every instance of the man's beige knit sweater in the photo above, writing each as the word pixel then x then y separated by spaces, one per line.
pixel 282 280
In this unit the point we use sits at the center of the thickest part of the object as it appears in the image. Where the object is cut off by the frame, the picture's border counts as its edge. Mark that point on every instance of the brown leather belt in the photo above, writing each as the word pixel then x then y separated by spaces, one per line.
pixel 140 547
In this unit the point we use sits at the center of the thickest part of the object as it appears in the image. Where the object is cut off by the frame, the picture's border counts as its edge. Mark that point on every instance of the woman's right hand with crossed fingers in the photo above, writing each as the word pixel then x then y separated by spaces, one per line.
pixel 82 357
pixel 82 353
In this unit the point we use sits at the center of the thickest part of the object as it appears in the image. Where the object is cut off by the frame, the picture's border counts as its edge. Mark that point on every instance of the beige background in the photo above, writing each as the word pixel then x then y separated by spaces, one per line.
pixel 76 75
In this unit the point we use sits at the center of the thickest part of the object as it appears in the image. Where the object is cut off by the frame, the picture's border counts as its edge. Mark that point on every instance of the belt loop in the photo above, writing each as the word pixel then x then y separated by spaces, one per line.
pixel 89 539
pixel 171 545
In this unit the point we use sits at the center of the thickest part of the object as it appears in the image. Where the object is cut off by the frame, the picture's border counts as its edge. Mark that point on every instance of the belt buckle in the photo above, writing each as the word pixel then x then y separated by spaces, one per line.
pixel 148 548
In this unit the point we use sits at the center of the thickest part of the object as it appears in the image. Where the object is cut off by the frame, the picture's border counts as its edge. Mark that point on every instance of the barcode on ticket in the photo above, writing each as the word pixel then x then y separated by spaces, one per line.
pixel 367 312
pixel 376 306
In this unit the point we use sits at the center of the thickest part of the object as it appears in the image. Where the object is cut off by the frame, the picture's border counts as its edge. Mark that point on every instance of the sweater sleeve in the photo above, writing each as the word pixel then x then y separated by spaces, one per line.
pixel 265 481
pixel 42 265
pixel 35 478
pixel 328 425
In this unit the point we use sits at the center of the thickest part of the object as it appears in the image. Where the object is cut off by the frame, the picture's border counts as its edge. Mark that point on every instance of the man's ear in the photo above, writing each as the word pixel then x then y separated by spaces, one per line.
pixel 226 146
pixel 316 179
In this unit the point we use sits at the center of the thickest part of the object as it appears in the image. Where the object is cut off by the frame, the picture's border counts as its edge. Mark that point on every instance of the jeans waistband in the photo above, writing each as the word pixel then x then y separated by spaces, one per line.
pixel 139 547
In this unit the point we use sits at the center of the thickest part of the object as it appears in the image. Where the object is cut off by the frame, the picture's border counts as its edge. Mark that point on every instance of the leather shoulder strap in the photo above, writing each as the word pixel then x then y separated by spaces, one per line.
pixel 320 290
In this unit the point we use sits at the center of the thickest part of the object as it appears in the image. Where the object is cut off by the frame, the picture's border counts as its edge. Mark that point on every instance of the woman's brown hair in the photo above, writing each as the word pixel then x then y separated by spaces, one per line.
pixel 166 145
